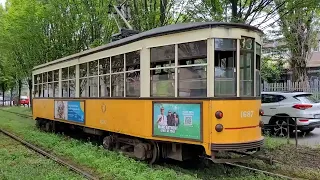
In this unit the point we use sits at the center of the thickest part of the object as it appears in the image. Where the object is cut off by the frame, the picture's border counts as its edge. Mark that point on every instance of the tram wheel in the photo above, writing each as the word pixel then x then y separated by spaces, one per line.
pixel 48 126
pixel 155 152
pixel 38 124
pixel 108 143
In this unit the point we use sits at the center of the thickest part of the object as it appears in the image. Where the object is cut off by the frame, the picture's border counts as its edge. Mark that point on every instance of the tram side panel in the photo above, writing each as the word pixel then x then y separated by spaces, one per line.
pixel 241 125
pixel 140 118
pixel 43 108
pixel 120 116
pixel 189 121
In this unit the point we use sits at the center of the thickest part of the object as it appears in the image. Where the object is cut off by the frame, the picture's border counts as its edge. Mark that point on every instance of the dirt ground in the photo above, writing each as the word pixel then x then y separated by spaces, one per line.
pixel 302 156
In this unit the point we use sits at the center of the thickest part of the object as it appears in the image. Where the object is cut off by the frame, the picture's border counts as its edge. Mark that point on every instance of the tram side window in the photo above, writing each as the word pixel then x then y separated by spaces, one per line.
pixel 225 67
pixel 132 74
pixel 36 79
pixel 56 82
pixel 64 82
pixel 69 81
pixel 93 79
pixel 72 81
pixel 162 71
pixel 40 85
pixel 45 84
pixel 258 66
pixel 50 84
pixel 246 66
pixel 104 77
pixel 117 76
pixel 192 75
pixel 83 80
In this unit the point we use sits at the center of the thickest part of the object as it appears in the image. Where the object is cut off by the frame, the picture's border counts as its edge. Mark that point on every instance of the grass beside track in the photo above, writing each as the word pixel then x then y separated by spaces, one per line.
pixel 110 165
pixel 18 162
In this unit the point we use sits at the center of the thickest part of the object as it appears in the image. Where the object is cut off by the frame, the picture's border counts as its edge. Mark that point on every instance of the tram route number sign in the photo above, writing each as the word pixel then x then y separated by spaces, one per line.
pixel 246 114
pixel 178 120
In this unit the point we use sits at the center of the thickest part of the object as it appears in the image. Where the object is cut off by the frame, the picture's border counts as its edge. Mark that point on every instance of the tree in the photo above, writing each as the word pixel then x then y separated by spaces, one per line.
pixel 6 78
pixel 271 70
pixel 233 11
pixel 298 28
pixel 145 15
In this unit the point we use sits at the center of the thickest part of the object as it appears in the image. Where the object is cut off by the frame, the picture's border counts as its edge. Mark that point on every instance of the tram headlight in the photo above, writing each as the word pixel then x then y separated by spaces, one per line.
pixel 219 127
pixel 219 114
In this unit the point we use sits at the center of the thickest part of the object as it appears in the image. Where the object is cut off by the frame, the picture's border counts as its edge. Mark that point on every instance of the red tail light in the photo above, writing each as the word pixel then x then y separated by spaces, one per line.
pixel 219 114
pixel 302 106
pixel 261 112
pixel 303 120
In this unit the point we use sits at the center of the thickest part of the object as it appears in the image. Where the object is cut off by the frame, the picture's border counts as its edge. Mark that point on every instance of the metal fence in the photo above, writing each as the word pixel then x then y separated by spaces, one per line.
pixel 290 123
pixel 308 86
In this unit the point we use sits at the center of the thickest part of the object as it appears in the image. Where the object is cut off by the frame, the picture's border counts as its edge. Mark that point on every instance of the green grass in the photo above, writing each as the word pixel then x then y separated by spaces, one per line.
pixel 274 143
pixel 18 162
pixel 110 165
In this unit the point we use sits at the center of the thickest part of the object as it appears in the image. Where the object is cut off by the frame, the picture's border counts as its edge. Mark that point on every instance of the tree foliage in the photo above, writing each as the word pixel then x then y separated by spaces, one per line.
pixel 271 69
pixel 33 32
pixel 298 28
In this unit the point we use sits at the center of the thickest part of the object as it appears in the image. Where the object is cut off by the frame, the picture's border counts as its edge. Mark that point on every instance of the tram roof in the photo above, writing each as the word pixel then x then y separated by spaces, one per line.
pixel 164 30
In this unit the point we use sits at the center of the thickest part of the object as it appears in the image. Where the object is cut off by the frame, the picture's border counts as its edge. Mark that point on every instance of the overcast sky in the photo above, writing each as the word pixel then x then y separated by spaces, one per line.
pixel 2 2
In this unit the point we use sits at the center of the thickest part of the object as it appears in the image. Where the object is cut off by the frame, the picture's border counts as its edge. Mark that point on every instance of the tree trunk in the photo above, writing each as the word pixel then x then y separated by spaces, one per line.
pixel 11 94
pixel 19 91
pixel 30 92
pixel 234 10
pixel 3 91
pixel 163 6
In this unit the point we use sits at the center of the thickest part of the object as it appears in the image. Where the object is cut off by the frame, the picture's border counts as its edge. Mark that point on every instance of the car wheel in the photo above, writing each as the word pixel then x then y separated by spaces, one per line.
pixel 280 127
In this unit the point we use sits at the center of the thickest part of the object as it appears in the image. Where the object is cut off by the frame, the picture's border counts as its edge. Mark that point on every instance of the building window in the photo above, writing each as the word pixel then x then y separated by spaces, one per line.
pixel 104 77
pixel 68 81
pixel 258 66
pixel 192 69
pixel 117 76
pixel 246 66
pixel 162 71
pixel 225 63
pixel 132 74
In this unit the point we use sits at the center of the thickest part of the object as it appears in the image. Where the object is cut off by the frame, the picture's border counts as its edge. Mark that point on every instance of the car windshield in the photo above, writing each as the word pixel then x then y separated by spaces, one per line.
pixel 307 98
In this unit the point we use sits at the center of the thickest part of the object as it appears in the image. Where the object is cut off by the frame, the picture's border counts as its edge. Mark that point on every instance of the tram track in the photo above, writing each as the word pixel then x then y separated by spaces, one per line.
pixel 44 153
pixel 260 171
pixel 88 176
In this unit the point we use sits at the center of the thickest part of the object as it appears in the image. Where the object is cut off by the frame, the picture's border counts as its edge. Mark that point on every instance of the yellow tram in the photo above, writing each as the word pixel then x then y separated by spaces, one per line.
pixel 176 92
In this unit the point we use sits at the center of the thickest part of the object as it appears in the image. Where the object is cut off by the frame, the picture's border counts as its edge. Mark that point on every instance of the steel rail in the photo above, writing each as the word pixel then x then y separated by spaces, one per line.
pixel 19 114
pixel 261 171
pixel 50 156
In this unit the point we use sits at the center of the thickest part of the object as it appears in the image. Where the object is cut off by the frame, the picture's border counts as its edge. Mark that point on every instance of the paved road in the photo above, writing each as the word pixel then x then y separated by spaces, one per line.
pixel 312 139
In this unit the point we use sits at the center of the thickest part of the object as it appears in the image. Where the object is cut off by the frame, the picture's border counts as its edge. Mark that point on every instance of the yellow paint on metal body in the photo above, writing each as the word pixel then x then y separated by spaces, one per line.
pixel 134 117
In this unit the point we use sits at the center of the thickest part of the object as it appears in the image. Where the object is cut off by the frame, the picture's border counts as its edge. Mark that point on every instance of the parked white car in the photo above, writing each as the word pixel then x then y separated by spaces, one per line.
pixel 290 104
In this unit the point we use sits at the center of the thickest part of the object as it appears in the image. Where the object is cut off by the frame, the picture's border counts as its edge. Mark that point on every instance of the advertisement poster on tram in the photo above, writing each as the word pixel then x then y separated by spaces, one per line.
pixel 69 110
pixel 177 120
